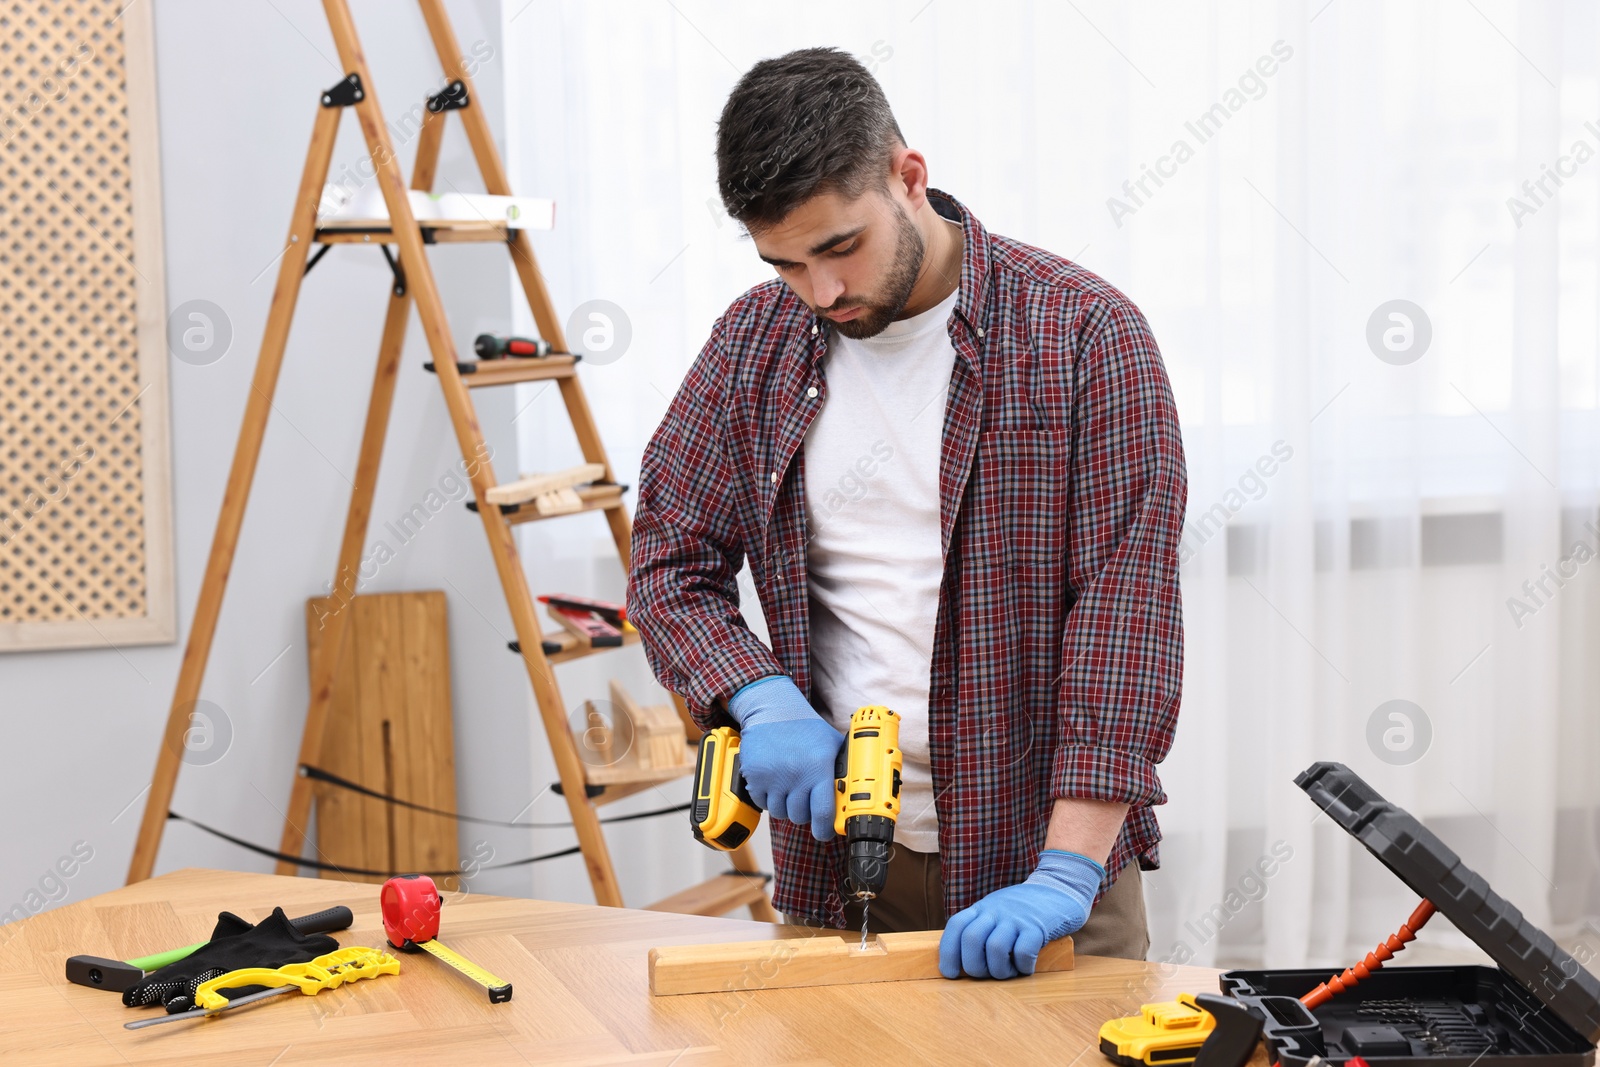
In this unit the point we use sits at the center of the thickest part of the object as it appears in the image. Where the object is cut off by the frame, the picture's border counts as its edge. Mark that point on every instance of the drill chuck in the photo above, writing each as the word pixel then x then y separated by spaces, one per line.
pixel 869 839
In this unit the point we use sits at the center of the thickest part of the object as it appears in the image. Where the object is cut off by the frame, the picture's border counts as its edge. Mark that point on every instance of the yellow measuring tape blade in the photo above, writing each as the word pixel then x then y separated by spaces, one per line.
pixel 499 991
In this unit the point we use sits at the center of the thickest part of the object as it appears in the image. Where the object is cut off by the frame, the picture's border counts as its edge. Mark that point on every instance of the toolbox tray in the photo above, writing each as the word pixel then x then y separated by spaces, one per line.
pixel 1538 1008
pixel 1451 1015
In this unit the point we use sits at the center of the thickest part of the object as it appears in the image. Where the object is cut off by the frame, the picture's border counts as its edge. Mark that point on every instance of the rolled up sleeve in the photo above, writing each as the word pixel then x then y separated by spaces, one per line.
pixel 1122 650
pixel 687 550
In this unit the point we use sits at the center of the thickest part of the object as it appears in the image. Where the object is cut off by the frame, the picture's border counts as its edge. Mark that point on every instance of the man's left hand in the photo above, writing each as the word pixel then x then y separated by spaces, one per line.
pixel 1000 936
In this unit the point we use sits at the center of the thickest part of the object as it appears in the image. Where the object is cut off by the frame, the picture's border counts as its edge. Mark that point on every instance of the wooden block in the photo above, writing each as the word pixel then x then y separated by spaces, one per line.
pixel 536 485
pixel 658 736
pixel 388 728
pixel 561 502
pixel 816 961
pixel 623 703
pixel 565 638
pixel 596 738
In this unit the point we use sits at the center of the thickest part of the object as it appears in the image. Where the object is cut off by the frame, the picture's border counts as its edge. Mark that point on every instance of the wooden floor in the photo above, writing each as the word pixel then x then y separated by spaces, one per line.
pixel 581 995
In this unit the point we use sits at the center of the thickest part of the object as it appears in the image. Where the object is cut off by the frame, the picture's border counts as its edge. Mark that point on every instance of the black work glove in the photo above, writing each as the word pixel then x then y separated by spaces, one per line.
pixel 234 944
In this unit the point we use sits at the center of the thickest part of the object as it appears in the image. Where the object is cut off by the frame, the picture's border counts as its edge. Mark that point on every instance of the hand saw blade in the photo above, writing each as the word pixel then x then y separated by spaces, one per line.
pixel 201 1013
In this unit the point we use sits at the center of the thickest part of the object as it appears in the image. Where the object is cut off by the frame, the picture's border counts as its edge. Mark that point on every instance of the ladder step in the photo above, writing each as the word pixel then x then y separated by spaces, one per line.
pixel 534 486
pixel 366 210
pixel 626 771
pixel 590 497
pixel 511 371
pixel 715 896
pixel 570 648
pixel 434 231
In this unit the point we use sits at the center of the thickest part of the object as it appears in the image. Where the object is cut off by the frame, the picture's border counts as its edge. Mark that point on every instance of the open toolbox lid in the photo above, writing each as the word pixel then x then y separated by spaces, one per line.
pixel 1428 866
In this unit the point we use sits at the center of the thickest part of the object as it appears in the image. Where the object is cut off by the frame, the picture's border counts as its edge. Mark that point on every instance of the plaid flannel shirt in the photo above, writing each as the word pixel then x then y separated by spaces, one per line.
pixel 1058 648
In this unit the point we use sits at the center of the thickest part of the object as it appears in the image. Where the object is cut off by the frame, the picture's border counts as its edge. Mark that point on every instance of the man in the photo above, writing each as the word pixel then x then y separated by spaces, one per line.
pixel 953 463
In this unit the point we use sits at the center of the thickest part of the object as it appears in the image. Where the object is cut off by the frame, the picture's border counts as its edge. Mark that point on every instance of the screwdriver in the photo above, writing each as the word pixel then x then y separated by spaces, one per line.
pixel 494 346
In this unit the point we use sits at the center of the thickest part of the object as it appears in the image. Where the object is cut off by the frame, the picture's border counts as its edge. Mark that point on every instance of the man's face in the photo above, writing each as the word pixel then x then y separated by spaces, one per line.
pixel 853 261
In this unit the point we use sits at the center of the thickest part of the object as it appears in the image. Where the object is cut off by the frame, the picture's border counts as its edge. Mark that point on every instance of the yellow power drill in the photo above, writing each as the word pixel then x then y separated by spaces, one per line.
pixel 866 793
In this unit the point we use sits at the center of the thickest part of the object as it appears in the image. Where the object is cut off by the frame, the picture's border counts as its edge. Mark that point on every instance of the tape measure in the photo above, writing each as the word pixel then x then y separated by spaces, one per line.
pixel 411 906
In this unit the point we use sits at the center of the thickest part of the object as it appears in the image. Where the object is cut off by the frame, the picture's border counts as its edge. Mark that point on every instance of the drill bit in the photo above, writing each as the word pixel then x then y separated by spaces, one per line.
pixel 866 906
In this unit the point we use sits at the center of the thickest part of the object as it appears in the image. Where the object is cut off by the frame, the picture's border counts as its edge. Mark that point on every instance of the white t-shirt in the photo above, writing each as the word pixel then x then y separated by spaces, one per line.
pixel 874 557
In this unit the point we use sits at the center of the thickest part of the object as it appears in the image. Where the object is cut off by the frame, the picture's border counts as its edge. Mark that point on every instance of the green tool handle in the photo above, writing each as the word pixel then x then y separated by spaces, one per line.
pixel 335 918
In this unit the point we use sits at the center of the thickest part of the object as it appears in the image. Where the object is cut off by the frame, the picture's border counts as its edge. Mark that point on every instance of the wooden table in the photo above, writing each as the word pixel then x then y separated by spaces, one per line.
pixel 581 996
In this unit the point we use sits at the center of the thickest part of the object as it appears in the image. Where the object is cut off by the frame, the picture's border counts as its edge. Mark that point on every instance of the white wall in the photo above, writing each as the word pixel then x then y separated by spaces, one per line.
pixel 1392 155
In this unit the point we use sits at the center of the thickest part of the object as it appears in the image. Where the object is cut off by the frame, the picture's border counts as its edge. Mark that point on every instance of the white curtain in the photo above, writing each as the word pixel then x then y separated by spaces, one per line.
pixel 1366 238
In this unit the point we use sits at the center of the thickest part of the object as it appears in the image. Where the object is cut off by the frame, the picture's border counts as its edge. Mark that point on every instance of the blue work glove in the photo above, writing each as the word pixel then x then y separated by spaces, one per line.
pixel 1000 936
pixel 786 752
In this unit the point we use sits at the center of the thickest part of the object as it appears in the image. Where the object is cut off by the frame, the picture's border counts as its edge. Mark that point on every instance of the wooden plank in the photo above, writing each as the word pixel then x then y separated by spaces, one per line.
pixel 714 896
pixel 536 485
pixel 389 728
pixel 423 738
pixel 492 372
pixel 351 829
pixel 824 960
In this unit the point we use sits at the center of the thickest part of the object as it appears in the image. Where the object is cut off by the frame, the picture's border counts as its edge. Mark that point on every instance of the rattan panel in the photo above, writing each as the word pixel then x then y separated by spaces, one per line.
pixel 77 388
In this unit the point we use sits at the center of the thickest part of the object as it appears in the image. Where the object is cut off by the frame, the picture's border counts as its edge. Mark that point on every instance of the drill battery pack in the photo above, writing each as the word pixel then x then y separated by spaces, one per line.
pixel 1170 1032
pixel 721 813
pixel 1538 1008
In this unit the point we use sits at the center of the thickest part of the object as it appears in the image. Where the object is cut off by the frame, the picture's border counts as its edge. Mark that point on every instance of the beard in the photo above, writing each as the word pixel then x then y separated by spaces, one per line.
pixel 880 311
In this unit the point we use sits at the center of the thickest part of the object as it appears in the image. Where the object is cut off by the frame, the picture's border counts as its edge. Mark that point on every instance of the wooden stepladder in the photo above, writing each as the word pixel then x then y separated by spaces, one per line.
pixel 499 506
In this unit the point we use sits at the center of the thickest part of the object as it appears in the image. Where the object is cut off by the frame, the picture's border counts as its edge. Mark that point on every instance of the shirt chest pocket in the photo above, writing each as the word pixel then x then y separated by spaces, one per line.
pixel 1018 497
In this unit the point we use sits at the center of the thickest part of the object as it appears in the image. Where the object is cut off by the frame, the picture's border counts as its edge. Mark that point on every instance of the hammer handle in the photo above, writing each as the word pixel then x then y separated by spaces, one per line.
pixel 335 918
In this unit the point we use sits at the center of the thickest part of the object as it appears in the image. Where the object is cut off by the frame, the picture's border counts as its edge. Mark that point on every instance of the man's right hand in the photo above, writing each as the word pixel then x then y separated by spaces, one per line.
pixel 787 753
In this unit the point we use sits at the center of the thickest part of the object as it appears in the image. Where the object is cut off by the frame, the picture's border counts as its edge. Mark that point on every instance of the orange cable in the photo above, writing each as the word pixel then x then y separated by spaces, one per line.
pixel 1375 959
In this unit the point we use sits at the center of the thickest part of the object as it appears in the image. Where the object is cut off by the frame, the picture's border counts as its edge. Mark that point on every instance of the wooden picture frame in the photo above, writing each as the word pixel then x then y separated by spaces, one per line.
pixel 85 491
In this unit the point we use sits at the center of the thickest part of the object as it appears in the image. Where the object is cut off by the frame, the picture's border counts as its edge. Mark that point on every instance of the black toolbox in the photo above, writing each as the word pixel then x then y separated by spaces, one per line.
pixel 1539 1008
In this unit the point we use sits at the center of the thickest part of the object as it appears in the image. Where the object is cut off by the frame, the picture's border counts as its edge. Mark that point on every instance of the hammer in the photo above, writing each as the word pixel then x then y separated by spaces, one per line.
pixel 96 972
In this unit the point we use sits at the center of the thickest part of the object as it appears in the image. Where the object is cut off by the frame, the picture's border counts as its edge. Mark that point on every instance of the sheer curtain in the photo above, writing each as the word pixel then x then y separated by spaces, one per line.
pixel 1365 237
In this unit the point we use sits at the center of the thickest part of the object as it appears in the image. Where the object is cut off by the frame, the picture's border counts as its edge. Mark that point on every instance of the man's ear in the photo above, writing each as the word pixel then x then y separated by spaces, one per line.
pixel 908 177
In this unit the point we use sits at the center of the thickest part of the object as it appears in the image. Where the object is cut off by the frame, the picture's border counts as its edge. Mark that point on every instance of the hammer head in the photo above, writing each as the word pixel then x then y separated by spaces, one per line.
pixel 98 973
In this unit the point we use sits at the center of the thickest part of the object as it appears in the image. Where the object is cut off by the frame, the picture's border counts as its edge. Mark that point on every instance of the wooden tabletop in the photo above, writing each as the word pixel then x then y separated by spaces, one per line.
pixel 580 993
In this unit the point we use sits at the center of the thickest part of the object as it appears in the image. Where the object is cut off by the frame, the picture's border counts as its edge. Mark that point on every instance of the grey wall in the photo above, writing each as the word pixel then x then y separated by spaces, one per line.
pixel 238 87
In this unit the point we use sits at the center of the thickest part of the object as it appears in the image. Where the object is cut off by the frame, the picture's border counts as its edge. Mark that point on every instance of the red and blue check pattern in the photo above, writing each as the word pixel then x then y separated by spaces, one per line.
pixel 1058 650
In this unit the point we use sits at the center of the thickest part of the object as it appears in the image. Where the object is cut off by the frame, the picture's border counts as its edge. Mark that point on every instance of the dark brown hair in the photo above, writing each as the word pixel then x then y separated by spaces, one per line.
pixel 808 122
